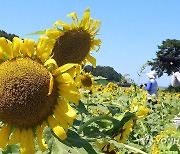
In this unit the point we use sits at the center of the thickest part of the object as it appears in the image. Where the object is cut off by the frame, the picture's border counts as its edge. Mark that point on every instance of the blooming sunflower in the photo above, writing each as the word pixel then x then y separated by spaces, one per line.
pixel 34 93
pixel 73 43
pixel 85 80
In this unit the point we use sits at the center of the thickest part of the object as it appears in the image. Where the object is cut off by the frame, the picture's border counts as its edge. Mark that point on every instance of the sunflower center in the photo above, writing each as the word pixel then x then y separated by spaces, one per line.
pixel 86 81
pixel 72 47
pixel 24 87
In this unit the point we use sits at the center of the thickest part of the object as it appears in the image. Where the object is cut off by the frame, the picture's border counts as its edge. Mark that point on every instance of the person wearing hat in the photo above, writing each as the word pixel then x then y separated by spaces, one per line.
pixel 151 86
pixel 175 82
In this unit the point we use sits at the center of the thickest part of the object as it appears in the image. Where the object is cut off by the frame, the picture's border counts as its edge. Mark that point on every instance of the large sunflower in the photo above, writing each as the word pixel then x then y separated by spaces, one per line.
pixel 34 93
pixel 73 43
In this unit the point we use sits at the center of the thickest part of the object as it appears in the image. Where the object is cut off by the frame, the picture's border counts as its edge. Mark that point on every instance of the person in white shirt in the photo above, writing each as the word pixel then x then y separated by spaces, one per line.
pixel 175 78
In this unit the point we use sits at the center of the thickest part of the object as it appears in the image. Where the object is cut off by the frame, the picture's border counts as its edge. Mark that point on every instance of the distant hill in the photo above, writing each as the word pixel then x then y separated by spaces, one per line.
pixel 105 71
pixel 7 35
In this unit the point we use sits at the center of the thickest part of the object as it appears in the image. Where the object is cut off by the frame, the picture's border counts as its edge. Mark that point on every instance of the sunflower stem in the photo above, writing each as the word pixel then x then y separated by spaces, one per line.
pixel 88 102
pixel 134 149
pixel 101 117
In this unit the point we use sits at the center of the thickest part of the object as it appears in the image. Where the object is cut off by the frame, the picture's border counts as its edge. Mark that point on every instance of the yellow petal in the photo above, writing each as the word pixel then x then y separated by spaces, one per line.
pixel 6 47
pixel 66 108
pixel 90 24
pixel 24 50
pixel 111 147
pixel 68 87
pixel 96 25
pixel 64 78
pixel 69 92
pixel 29 44
pixel 24 143
pixel 61 120
pixel 74 16
pixel 51 84
pixel 65 116
pixel 15 137
pixel 100 145
pixel 2 55
pixel 39 134
pixel 4 134
pixel 128 124
pixel 92 60
pixel 74 71
pixel 97 42
pixel 58 130
pixel 54 34
pixel 45 56
pixel 117 138
pixel 51 64
pixel 41 45
pixel 64 68
pixel 31 140
pixel 105 148
pixel 75 21
pixel 63 24
pixel 71 96
pixel 86 16
pixel 17 42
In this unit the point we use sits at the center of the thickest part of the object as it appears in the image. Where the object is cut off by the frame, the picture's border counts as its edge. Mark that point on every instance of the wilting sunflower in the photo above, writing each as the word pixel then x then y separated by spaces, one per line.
pixel 34 93
pixel 106 147
pixel 126 130
pixel 73 43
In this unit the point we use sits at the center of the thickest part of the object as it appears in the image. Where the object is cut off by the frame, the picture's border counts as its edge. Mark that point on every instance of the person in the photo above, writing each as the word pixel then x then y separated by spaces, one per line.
pixel 175 81
pixel 151 86
pixel 175 67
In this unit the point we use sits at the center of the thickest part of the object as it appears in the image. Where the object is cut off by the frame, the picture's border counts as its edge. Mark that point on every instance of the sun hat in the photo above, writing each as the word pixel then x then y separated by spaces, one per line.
pixel 151 75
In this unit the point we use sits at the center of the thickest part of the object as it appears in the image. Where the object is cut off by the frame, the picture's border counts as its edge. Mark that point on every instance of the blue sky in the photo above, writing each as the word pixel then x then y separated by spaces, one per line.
pixel 130 30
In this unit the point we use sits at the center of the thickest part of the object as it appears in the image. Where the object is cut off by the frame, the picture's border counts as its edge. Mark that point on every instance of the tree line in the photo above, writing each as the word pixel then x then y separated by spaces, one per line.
pixel 7 35
pixel 105 71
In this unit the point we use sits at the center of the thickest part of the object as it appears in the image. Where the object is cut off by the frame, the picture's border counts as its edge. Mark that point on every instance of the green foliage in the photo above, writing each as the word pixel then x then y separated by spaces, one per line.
pixel 172 89
pixel 38 33
pixel 101 119
pixel 169 48
pixel 7 35
pixel 104 71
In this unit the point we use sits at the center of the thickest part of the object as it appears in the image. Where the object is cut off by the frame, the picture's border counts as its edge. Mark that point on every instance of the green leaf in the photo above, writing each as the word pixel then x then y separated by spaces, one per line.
pixel 73 144
pixel 81 108
pixel 91 131
pixel 174 148
pixel 118 127
pixel 12 149
pixel 79 143
pixel 113 110
pixel 37 33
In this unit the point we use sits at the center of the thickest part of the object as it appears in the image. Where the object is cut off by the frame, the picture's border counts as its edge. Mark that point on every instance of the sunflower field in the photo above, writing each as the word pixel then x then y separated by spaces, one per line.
pixel 49 104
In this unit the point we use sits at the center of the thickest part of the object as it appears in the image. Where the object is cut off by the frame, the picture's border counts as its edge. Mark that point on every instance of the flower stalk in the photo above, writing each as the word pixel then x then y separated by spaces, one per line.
pixel 101 117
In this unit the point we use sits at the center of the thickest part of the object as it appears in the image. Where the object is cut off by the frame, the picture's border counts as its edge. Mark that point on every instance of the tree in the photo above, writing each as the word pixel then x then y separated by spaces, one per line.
pixel 170 49
pixel 6 35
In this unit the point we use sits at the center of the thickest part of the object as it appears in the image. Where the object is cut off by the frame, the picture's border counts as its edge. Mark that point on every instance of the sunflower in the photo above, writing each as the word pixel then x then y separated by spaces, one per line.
pixel 106 147
pixel 126 130
pixel 74 43
pixel 34 94
pixel 85 80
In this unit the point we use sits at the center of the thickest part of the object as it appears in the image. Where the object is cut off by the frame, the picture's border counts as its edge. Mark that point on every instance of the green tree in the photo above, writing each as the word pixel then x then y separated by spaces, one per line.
pixel 170 48
pixel 7 35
